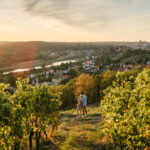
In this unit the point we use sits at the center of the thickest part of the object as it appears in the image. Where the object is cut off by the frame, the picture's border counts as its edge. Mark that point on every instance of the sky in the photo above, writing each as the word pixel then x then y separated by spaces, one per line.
pixel 74 20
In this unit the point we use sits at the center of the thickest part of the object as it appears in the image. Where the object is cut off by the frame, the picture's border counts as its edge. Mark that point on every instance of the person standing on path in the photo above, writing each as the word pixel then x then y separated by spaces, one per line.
pixel 79 107
pixel 84 103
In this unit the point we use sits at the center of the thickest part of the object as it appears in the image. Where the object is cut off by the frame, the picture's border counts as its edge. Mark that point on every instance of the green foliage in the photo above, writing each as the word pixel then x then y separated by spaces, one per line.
pixel 92 85
pixel 134 71
pixel 5 118
pixel 107 79
pixel 126 111
pixel 68 97
pixel 131 56
pixel 8 79
pixel 97 86
pixel 30 108
pixel 72 73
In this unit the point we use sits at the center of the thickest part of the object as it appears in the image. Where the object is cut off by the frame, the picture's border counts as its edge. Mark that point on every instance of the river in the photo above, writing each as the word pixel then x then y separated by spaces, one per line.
pixel 58 63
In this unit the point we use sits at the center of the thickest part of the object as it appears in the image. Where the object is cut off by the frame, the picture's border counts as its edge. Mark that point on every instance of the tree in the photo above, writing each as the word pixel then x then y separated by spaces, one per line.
pixel 107 79
pixel 68 97
pixel 97 86
pixel 72 73
pixel 134 71
pixel 85 83
pixel 11 79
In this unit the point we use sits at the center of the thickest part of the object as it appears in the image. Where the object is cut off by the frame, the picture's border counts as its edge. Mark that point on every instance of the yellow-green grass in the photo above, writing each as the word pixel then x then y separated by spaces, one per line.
pixel 81 133
pixel 77 133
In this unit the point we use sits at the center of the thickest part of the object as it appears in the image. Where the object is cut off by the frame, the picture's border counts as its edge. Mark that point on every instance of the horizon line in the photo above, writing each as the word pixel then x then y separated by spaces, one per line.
pixel 137 41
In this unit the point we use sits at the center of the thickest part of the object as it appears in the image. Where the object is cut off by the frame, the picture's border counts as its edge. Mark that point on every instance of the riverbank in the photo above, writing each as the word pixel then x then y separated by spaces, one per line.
pixel 29 66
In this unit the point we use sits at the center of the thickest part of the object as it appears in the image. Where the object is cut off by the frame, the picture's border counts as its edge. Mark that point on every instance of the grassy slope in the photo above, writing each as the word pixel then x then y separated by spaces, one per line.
pixel 78 134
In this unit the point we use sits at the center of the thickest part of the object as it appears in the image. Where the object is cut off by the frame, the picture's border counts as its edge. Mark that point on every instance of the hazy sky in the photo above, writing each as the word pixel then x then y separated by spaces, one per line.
pixel 74 20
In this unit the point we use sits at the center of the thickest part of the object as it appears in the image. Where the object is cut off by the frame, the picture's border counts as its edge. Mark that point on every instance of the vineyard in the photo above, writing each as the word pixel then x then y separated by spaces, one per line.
pixel 126 111
pixel 27 112
pixel 122 121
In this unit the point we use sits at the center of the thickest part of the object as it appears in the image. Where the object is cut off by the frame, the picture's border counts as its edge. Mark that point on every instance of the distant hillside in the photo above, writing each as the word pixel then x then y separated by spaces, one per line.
pixel 121 56
pixel 12 53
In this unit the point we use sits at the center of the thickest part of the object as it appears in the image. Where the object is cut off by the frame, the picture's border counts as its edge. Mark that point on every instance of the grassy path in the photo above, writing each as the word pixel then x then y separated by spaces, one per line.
pixel 78 133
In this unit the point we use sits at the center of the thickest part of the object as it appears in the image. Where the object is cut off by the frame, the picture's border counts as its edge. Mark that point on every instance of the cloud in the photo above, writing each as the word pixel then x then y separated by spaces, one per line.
pixel 29 5
pixel 76 13
pixel 88 15
pixel 85 14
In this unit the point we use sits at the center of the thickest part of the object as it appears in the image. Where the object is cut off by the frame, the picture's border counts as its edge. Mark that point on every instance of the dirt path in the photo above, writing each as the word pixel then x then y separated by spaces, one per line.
pixel 77 133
